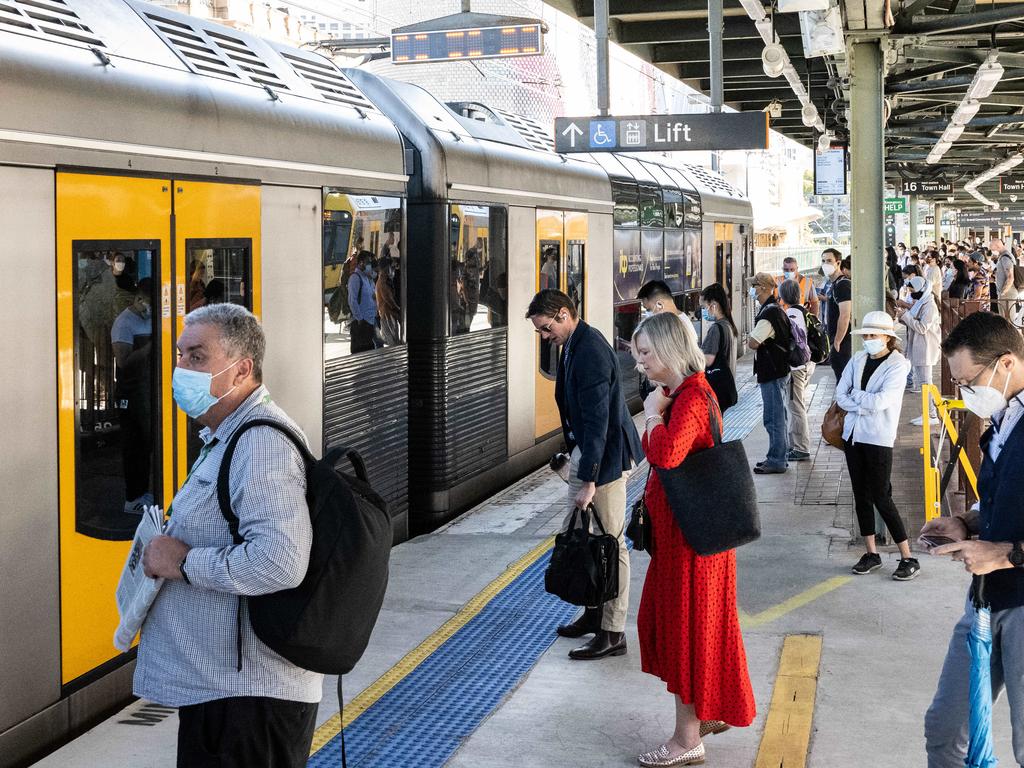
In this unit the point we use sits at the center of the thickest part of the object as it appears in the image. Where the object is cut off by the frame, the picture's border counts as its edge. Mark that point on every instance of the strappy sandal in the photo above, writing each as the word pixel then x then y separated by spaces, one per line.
pixel 657 758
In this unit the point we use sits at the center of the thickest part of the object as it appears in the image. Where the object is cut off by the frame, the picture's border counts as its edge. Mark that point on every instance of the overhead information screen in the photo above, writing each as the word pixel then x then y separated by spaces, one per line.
pixel 830 172
pixel 453 44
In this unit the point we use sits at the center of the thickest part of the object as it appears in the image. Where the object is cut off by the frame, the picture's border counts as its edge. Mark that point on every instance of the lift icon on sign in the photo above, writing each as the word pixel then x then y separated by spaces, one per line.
pixel 602 133
pixel 634 133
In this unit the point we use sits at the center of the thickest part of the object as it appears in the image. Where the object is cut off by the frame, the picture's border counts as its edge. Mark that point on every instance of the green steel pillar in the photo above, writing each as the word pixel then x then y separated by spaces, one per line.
pixel 867 190
pixel 938 222
pixel 912 237
pixel 866 179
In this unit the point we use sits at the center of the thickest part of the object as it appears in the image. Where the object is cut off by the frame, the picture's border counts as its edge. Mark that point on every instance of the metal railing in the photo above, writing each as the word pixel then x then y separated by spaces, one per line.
pixel 935 481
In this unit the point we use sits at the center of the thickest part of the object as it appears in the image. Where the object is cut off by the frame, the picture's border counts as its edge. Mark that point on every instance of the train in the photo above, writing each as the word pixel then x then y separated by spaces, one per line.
pixel 151 162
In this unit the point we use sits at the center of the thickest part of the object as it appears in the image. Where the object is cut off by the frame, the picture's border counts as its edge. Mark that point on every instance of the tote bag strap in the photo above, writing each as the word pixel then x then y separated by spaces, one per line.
pixel 714 417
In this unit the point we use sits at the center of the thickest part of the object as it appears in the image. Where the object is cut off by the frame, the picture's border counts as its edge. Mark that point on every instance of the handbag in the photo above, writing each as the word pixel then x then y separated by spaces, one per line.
pixel 639 529
pixel 584 566
pixel 720 376
pixel 832 425
pixel 712 496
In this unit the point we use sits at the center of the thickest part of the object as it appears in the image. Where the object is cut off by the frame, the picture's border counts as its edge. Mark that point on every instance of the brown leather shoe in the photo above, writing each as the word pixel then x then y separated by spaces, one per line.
pixel 588 622
pixel 604 643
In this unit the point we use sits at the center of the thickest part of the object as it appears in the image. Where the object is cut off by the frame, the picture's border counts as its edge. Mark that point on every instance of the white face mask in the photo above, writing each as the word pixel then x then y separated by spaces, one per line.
pixel 986 400
pixel 874 346
pixel 828 269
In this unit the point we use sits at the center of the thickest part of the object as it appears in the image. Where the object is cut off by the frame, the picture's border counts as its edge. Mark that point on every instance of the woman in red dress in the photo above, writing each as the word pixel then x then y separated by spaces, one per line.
pixel 688 622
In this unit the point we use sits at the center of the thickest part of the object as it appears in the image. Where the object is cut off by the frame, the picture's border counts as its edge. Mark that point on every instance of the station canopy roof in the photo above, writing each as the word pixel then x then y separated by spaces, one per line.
pixel 949 64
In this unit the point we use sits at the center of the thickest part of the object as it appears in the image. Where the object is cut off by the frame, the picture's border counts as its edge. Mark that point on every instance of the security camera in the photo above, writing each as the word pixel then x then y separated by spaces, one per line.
pixel 773 59
pixel 774 109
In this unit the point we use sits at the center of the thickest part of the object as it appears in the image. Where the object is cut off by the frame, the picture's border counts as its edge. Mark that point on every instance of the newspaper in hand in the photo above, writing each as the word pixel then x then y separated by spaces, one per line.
pixel 136 591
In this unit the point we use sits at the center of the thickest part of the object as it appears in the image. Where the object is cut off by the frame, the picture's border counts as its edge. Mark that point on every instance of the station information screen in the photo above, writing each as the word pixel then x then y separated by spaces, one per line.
pixel 454 44
pixel 830 172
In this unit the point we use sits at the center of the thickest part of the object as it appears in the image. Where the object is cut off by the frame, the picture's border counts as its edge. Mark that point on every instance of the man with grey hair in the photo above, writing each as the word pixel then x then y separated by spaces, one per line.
pixel 239 703
pixel 1005 288
pixel 799 376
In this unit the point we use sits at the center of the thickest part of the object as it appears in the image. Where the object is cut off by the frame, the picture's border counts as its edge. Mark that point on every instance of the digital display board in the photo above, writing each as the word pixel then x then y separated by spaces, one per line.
pixel 830 172
pixel 455 44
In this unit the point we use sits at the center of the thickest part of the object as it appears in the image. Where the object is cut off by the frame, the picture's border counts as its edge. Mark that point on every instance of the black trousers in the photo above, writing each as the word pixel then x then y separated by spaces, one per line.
pixel 245 732
pixel 837 361
pixel 361 335
pixel 870 469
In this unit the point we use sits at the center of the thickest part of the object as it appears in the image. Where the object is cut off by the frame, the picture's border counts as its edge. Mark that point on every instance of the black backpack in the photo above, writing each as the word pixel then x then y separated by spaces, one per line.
pixel 1017 272
pixel 324 624
pixel 817 339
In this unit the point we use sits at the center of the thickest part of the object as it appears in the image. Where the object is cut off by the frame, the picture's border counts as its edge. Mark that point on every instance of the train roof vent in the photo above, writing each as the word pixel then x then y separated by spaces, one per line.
pixel 328 80
pixel 246 60
pixel 532 131
pixel 47 19
pixel 712 181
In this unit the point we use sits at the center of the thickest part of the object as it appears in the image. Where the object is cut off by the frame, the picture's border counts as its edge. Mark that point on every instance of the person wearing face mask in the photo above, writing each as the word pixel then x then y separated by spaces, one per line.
pixel 791 271
pixel 770 341
pixel 871 393
pixel 985 353
pixel 839 308
pixel 603 445
pixel 961 287
pixel 924 337
pixel 901 253
pixel 688 622
pixel 933 273
pixel 130 338
pixel 239 703
pixel 948 274
pixel 656 297
pixel 363 303
pixel 720 335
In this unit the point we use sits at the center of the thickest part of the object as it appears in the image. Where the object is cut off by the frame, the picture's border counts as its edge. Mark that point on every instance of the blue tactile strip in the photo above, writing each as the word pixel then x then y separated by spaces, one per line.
pixel 422 720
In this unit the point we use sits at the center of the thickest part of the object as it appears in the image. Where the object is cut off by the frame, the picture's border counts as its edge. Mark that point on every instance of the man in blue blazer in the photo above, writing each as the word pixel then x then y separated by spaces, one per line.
pixel 603 445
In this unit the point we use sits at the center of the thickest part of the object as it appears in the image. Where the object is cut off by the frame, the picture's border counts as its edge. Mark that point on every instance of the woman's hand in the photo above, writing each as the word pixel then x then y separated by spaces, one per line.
pixel 656 403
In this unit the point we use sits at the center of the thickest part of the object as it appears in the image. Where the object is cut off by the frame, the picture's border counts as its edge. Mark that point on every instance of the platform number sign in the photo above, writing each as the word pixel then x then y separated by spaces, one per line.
pixel 412 47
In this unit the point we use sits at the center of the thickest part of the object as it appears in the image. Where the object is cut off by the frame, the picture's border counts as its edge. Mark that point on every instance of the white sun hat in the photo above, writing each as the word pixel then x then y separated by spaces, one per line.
pixel 876 322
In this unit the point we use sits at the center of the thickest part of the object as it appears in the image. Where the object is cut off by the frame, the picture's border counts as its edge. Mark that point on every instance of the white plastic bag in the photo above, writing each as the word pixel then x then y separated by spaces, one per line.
pixel 136 591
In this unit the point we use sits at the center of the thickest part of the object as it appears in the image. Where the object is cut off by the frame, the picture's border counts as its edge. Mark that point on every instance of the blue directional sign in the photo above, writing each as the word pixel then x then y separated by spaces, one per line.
pixel 661 133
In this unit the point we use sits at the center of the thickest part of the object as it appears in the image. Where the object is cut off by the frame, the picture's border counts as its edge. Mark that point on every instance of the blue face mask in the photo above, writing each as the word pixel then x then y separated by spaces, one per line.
pixel 706 315
pixel 191 390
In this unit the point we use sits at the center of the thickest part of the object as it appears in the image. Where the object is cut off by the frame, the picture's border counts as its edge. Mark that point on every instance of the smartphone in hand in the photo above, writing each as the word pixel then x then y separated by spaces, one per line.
pixel 933 540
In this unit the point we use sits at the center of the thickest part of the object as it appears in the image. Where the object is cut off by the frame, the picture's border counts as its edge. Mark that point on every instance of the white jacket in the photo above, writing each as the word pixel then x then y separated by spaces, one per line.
pixel 924 331
pixel 873 414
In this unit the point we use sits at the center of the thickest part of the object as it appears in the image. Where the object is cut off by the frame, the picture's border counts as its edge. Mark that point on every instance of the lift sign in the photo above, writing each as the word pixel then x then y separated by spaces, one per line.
pixel 661 133
pixel 455 44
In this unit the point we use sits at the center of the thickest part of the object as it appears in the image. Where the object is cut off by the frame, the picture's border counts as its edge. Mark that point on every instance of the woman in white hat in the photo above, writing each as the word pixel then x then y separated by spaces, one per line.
pixel 924 339
pixel 871 392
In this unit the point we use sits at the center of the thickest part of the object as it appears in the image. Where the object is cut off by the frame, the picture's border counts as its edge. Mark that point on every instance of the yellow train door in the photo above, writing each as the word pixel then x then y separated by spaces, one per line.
pixel 122 290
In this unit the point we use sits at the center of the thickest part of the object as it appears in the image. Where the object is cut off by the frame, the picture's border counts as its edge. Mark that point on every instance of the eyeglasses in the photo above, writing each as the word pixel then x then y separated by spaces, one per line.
pixel 969 386
pixel 546 328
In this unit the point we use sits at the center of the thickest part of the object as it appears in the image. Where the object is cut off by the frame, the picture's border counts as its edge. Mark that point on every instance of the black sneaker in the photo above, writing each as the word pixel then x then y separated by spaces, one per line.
pixel 907 569
pixel 798 456
pixel 869 561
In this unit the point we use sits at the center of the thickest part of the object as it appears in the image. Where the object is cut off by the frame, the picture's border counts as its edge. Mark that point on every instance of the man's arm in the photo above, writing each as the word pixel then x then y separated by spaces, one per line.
pixel 843 324
pixel 592 390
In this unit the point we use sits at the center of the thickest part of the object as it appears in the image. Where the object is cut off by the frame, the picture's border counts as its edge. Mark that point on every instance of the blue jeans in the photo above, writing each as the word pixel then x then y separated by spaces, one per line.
pixel 776 420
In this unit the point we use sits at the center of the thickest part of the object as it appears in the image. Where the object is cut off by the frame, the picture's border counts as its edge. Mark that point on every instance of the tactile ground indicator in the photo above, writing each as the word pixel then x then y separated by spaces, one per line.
pixel 423 719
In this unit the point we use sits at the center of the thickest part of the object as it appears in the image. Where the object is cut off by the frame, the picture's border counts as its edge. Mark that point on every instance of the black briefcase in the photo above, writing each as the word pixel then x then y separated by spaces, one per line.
pixel 584 566
pixel 712 494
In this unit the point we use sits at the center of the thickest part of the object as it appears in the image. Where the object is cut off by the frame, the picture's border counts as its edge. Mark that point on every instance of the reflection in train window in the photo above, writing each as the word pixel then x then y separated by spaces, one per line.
pixel 576 250
pixel 652 211
pixel 478 268
pixel 220 270
pixel 627 317
pixel 362 273
pixel 626 212
pixel 550 277
pixel 117 384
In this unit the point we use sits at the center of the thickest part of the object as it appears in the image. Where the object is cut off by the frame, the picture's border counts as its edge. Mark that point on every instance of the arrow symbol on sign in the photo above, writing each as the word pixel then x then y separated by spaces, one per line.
pixel 572 131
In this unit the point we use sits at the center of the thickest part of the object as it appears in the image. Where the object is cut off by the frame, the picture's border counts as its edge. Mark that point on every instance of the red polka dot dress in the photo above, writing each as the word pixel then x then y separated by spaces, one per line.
pixel 688 622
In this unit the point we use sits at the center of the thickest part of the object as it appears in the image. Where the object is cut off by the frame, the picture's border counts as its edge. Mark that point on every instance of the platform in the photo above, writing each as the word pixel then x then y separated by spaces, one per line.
pixel 464 668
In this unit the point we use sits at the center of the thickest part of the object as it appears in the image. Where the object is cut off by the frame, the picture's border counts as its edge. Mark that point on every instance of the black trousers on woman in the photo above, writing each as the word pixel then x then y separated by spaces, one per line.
pixel 870 469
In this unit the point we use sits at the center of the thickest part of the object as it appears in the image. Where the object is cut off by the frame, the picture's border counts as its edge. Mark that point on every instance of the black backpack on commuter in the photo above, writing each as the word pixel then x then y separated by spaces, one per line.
pixel 324 624
pixel 817 339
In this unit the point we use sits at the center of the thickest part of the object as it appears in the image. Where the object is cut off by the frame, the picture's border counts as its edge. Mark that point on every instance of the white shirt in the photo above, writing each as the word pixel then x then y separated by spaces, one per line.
pixel 1003 424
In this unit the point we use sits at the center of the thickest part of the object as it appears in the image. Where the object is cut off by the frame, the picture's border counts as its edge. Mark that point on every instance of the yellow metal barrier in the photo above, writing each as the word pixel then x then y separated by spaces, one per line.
pixel 932 476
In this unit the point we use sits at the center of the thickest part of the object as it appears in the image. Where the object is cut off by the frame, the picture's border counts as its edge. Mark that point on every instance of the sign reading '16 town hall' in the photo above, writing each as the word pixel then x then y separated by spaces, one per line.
pixel 673 133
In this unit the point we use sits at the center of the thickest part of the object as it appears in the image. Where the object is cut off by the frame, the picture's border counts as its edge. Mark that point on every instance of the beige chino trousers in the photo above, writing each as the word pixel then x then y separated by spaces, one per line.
pixel 610 505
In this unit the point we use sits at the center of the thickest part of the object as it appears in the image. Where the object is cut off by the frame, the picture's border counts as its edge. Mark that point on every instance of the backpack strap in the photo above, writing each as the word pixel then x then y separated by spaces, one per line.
pixel 723 343
pixel 224 474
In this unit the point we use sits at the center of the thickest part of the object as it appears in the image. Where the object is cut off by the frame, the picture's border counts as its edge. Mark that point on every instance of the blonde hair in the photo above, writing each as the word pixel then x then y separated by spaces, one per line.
pixel 672 341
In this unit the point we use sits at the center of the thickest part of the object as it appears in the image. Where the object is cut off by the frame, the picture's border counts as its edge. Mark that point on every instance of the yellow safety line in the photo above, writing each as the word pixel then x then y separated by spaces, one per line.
pixel 332 727
pixel 748 621
pixel 787 728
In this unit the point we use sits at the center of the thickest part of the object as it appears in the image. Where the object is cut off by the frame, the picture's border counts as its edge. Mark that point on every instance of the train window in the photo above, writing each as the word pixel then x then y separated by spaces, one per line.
pixel 362 272
pixel 576 251
pixel 478 268
pixel 550 277
pixel 652 245
pixel 652 209
pixel 117 384
pixel 628 265
pixel 675 215
pixel 675 260
pixel 624 195
pixel 219 271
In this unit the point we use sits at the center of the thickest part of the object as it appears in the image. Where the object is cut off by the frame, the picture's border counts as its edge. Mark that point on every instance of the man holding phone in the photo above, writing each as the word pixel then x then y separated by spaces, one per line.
pixel 986 359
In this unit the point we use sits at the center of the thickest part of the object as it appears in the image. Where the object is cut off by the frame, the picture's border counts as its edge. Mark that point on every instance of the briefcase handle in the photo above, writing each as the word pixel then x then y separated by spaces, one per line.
pixel 585 518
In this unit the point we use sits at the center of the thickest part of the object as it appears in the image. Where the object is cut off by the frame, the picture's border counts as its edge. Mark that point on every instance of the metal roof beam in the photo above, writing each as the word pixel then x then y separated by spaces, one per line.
pixel 952 55
pixel 683 53
pixel 960 81
pixel 958 22
pixel 736 28
pixel 913 74
pixel 978 122
pixel 585 8
pixel 697 70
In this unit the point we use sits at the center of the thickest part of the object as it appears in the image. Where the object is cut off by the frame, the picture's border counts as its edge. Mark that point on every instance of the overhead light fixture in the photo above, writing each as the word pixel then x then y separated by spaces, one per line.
pixel 986 78
pixel 942 147
pixel 965 111
pixel 754 9
pixel 809 115
pixel 774 59
pixel 933 157
pixel 952 132
pixel 825 142
pixel 822 32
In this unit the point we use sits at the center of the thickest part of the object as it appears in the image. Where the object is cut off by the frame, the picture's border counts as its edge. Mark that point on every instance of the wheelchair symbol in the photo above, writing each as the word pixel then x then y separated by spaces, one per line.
pixel 602 133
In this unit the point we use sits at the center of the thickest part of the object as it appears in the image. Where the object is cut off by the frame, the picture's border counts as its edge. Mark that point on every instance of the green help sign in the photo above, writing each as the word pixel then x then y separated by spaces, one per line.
pixel 894 205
